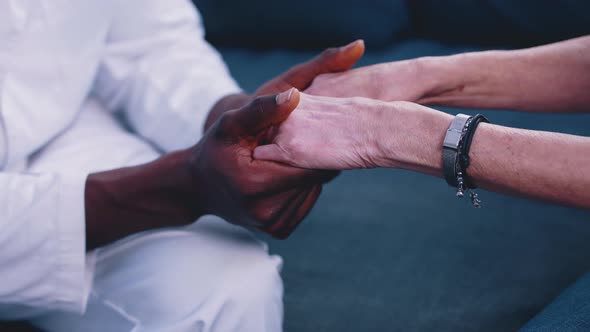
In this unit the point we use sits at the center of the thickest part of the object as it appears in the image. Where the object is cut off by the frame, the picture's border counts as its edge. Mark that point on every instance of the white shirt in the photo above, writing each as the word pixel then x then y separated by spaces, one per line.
pixel 146 58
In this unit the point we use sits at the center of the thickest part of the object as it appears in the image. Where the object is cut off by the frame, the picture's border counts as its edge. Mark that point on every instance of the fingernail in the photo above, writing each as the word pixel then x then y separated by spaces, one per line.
pixel 284 97
pixel 352 45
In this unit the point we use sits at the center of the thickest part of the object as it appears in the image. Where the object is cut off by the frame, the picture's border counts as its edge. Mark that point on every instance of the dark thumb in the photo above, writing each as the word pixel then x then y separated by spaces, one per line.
pixel 264 112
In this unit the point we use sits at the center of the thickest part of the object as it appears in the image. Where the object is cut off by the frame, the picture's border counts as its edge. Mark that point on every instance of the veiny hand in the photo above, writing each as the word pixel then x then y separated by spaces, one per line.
pixel 259 194
pixel 269 196
pixel 393 81
pixel 346 133
pixel 327 133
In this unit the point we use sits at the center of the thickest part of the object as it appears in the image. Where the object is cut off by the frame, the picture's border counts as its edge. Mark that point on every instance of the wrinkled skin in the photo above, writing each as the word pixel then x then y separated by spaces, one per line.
pixel 393 81
pixel 326 133
pixel 351 133
pixel 264 195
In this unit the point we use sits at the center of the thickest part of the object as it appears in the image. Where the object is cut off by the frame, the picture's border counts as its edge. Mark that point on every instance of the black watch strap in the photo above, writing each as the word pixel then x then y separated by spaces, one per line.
pixel 450 166
pixel 451 148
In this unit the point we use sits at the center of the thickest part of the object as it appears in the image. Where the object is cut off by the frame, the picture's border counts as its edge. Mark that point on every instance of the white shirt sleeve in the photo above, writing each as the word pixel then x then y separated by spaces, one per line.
pixel 159 69
pixel 43 261
pixel 3 141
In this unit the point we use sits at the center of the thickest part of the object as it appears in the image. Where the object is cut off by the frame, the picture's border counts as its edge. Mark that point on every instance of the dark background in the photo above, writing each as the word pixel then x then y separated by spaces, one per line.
pixel 389 250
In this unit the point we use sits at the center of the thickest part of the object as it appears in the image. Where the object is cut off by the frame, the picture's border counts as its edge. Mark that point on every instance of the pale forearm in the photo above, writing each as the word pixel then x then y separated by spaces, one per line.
pixel 340 134
pixel 551 78
pixel 543 165
pixel 535 164
pixel 409 136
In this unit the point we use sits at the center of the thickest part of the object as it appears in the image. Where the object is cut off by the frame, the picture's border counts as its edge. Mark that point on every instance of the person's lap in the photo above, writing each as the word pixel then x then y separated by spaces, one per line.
pixel 209 276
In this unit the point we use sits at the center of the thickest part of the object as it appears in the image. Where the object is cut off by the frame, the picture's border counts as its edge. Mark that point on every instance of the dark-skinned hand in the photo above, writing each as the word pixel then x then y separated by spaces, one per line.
pixel 267 196
pixel 301 77
pixel 218 175
pixel 271 197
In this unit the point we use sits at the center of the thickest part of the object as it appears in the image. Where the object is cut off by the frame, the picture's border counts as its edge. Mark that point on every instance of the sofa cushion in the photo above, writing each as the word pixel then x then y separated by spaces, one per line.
pixel 390 250
pixel 569 312
pixel 302 23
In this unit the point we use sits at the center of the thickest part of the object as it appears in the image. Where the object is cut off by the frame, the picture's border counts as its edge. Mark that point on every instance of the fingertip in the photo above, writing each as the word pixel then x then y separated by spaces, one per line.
pixel 289 100
pixel 349 55
pixel 295 98
pixel 284 97
pixel 356 47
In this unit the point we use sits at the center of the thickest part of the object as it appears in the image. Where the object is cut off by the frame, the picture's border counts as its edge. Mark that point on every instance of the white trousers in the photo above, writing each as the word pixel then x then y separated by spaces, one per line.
pixel 209 276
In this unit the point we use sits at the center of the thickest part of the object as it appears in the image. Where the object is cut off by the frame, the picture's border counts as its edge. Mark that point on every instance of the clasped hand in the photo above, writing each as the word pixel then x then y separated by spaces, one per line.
pixel 265 195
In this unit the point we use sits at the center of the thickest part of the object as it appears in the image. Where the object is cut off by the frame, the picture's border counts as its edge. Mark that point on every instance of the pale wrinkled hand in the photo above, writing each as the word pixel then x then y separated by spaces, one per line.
pixel 327 133
pixel 393 81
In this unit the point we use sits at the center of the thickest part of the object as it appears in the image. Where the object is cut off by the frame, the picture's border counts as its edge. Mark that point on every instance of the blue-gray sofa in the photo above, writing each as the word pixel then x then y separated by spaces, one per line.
pixel 389 250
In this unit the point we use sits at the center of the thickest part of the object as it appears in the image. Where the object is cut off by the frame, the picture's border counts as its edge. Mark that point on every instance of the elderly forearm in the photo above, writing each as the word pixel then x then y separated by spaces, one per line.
pixel 543 165
pixel 550 78
pixel 535 164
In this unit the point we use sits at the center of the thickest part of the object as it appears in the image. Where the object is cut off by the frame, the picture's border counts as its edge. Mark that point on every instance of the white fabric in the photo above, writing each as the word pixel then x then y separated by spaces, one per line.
pixel 145 58
pixel 209 276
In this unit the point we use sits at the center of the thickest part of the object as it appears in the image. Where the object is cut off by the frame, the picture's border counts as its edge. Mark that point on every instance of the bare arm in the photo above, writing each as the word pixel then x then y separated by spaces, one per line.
pixel 333 133
pixel 550 78
pixel 544 165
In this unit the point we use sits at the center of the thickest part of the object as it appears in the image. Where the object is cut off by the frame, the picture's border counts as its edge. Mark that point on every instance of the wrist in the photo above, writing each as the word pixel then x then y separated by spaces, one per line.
pixel 410 136
pixel 465 80
pixel 444 77
pixel 129 200
pixel 420 82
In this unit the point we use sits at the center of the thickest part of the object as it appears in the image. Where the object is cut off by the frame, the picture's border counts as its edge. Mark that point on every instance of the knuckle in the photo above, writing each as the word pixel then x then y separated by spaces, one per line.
pixel 256 104
pixel 264 215
pixel 249 188
pixel 249 191
pixel 254 184
pixel 259 104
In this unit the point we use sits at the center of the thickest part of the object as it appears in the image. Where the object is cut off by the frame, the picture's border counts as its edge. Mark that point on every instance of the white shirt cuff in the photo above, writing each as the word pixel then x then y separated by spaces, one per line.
pixel 75 267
